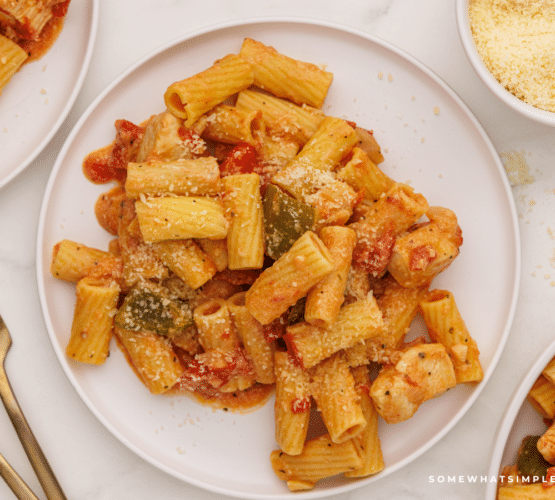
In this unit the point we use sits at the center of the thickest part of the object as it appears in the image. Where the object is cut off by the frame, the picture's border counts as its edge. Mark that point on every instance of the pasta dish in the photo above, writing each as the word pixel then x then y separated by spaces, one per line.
pixel 259 247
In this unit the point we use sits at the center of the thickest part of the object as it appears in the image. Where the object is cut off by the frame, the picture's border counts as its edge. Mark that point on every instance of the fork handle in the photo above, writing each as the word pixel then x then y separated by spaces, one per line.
pixel 40 464
pixel 14 481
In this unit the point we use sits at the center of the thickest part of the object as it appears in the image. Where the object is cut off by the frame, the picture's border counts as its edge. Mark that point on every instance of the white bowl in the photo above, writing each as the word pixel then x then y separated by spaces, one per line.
pixel 465 34
pixel 520 420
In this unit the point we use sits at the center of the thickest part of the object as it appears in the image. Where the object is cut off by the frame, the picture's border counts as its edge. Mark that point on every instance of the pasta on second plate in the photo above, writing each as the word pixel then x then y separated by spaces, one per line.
pixel 532 477
pixel 258 246
pixel 28 28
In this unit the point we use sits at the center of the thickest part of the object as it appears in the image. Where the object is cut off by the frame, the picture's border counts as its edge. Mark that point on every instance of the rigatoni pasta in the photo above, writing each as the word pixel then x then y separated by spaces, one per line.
pixel 368 441
pixel 187 260
pixel 232 125
pixel 290 278
pixel 72 261
pixel 153 359
pixel 251 334
pixel 300 82
pixel 326 297
pixel 245 237
pixel 191 98
pixel 320 458
pixel 12 56
pixel 360 172
pixel 281 117
pixel 333 389
pixel 258 247
pixel 28 29
pixel 196 177
pixel 92 326
pixel 355 323
pixel 292 404
pixel 445 325
pixel 179 218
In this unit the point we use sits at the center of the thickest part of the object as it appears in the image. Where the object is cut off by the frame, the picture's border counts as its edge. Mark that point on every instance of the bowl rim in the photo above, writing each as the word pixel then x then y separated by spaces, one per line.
pixel 506 425
pixel 469 46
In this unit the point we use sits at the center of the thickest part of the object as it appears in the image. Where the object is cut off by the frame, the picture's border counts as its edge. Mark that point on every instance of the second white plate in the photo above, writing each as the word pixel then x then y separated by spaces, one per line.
pixel 39 97
pixel 520 420
pixel 429 139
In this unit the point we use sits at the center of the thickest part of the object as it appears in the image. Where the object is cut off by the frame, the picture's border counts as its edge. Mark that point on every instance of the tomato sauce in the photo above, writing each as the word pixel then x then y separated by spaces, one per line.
pixel 60 9
pixel 300 405
pixel 96 168
pixel 241 401
pixel 110 163
pixel 241 160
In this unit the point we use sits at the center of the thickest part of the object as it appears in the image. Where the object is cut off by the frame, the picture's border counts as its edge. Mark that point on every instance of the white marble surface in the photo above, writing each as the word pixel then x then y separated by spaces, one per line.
pixel 90 463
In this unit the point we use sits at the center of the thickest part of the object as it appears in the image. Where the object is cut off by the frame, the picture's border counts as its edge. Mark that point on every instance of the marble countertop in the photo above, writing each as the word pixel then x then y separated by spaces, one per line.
pixel 89 462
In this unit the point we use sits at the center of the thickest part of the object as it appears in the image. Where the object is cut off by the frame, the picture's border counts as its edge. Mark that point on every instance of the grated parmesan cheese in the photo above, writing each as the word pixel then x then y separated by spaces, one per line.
pixel 516 40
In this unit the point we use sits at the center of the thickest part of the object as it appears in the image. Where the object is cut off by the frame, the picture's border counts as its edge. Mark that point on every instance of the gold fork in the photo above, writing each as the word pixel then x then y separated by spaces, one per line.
pixel 45 475
pixel 14 481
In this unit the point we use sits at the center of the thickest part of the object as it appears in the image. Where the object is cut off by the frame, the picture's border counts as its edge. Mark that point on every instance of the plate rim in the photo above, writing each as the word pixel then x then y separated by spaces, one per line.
pixel 217 27
pixel 94 7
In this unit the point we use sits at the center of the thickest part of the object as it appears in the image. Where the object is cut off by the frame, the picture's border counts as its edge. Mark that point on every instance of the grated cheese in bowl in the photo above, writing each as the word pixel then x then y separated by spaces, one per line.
pixel 511 45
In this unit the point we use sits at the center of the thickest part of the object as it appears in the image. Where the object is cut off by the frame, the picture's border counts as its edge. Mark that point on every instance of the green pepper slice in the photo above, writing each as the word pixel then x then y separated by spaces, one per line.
pixel 285 220
pixel 530 461
pixel 150 307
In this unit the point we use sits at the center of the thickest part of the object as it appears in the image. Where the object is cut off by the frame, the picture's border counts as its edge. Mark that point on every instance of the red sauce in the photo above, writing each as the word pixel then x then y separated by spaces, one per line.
pixel 60 9
pixel 241 401
pixel 274 330
pixel 373 256
pixel 421 257
pixel 188 135
pixel 365 388
pixel 241 160
pixel 110 163
pixel 97 170
pixel 128 138
pixel 198 370
pixel 300 405
pixel 549 481
pixel 238 276
pixel 292 350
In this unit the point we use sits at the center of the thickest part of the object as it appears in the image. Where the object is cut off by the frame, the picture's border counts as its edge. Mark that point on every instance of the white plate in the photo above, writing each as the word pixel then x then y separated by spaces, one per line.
pixel 429 138
pixel 520 420
pixel 39 97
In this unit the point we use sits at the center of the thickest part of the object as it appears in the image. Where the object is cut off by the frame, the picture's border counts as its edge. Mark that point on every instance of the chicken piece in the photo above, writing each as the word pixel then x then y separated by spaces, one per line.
pixel 546 444
pixel 167 139
pixel 377 227
pixel 423 372
pixel 426 249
